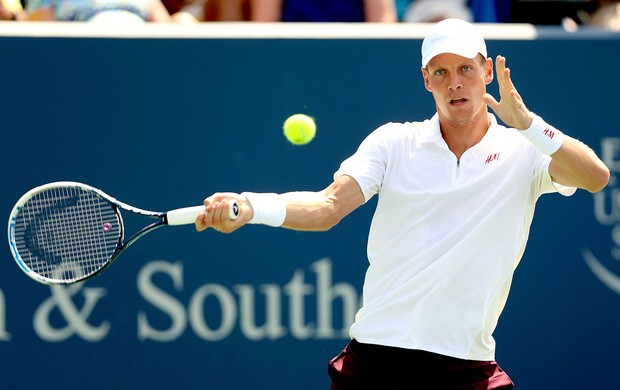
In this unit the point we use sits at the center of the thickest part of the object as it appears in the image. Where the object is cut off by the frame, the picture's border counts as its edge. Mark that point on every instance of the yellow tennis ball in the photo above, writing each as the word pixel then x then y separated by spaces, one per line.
pixel 299 129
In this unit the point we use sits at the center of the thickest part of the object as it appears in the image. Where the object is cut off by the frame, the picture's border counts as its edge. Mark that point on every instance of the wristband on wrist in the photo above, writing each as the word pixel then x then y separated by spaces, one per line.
pixel 269 209
pixel 544 136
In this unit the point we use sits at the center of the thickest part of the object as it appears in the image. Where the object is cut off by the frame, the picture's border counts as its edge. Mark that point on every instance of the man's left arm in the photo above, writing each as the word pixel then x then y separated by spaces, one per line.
pixel 576 165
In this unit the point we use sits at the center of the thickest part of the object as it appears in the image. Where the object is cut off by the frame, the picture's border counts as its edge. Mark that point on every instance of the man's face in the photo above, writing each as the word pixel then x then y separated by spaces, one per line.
pixel 458 84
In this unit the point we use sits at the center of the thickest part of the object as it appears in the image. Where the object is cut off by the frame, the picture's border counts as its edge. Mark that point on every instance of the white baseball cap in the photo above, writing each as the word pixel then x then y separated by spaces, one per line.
pixel 454 36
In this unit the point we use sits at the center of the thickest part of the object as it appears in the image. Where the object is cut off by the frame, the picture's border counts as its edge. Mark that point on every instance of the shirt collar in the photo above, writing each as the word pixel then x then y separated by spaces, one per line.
pixel 432 130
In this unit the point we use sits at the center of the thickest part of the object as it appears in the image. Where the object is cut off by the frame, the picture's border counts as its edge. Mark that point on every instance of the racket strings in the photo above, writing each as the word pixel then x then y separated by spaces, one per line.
pixel 67 233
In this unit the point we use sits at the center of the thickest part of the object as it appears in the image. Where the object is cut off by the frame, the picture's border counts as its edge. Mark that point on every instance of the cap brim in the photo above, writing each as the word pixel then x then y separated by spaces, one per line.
pixel 454 48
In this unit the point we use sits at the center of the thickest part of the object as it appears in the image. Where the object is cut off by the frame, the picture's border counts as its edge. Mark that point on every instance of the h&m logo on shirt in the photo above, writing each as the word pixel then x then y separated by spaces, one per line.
pixel 491 158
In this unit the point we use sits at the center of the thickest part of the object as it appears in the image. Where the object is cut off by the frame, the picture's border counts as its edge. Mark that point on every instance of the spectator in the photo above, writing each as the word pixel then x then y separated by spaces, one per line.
pixel 119 11
pixel 212 10
pixel 433 11
pixel 227 10
pixel 11 10
pixel 401 8
pixel 324 11
pixel 606 16
pixel 491 11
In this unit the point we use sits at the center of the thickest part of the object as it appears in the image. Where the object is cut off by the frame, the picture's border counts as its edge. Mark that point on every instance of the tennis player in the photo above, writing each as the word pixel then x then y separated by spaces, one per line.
pixel 456 199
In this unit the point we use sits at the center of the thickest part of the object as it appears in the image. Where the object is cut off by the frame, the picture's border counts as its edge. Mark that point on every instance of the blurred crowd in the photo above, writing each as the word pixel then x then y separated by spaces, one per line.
pixel 568 13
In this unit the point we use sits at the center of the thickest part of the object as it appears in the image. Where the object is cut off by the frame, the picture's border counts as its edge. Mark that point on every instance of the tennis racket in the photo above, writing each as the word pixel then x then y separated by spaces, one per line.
pixel 66 232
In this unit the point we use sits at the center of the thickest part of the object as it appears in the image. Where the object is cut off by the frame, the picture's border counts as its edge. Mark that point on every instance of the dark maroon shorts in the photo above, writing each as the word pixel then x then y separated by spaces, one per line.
pixel 365 366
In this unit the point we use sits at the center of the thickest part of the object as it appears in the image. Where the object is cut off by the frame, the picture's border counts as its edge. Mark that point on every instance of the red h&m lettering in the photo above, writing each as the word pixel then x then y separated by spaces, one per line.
pixel 549 133
pixel 491 158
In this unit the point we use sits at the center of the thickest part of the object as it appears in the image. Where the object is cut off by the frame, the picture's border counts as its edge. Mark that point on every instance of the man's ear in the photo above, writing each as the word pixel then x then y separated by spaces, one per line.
pixel 488 69
pixel 425 77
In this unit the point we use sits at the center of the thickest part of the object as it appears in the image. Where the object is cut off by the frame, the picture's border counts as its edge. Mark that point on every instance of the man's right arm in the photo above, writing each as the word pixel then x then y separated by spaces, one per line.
pixel 308 211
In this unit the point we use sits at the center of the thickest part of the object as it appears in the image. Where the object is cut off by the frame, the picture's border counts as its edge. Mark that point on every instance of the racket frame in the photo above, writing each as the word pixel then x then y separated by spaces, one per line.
pixel 117 206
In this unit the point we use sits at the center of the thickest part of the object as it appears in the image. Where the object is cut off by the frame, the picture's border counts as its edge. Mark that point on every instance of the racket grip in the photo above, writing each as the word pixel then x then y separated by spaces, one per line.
pixel 188 215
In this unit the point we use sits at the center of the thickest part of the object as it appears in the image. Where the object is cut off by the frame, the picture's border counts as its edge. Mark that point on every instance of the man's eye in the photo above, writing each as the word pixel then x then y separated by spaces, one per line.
pixel 440 72
pixel 466 68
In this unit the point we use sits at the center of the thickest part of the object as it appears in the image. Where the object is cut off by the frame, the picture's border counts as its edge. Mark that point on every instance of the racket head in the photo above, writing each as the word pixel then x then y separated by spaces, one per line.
pixel 64 232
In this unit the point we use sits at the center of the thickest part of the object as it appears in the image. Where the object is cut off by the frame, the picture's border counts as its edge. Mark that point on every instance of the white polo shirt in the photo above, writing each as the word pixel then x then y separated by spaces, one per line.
pixel 446 235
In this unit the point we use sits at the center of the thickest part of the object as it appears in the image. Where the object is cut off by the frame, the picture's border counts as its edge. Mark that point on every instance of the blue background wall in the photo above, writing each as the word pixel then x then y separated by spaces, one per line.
pixel 163 123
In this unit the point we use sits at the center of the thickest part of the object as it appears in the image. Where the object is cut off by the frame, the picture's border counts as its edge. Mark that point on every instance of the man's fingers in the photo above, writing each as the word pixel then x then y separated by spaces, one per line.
pixel 490 101
pixel 201 222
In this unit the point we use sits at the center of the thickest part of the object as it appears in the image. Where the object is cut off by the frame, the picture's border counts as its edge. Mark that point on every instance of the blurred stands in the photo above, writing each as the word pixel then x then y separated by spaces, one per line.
pixel 570 14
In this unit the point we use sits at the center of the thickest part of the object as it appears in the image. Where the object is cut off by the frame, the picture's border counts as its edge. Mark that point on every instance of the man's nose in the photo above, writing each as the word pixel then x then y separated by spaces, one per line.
pixel 454 82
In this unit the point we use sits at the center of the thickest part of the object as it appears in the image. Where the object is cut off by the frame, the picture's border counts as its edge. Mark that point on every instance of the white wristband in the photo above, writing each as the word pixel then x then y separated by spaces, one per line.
pixel 269 209
pixel 544 136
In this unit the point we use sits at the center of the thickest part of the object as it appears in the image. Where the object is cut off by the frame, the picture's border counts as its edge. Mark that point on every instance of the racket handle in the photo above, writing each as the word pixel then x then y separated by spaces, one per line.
pixel 188 215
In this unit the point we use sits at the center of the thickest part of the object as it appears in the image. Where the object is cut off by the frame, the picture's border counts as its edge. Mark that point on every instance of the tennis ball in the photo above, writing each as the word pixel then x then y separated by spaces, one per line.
pixel 299 129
